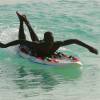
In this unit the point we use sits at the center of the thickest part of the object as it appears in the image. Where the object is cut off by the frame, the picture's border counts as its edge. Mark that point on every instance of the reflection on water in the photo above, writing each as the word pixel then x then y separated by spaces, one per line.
pixel 67 73
pixel 34 78
pixel 44 78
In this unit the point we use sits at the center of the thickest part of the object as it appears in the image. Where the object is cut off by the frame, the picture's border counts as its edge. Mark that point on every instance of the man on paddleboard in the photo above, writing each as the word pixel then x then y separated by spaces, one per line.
pixel 45 47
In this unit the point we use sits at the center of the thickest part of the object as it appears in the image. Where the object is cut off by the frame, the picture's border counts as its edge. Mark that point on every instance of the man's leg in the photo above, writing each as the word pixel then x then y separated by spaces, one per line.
pixel 33 35
pixel 21 35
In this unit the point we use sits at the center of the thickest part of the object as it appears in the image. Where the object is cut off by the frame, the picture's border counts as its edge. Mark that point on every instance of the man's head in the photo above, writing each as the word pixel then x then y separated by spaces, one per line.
pixel 48 37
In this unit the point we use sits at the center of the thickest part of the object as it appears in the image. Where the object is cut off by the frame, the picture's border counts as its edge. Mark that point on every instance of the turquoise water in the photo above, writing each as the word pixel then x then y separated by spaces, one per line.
pixel 22 80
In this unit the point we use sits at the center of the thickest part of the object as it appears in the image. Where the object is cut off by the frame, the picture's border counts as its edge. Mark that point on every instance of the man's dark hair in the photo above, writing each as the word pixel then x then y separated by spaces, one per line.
pixel 48 37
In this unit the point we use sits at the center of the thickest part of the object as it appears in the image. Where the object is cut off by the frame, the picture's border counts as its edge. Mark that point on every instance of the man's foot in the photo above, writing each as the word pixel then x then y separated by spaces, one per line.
pixel 19 16
pixel 22 17
pixel 25 19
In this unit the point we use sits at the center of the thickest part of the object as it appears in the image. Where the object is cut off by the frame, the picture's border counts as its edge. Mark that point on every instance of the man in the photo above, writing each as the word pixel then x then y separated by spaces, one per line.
pixel 45 47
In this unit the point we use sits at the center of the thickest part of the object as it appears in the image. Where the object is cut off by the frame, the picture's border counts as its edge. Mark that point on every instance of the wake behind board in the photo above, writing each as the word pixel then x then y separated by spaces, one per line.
pixel 58 59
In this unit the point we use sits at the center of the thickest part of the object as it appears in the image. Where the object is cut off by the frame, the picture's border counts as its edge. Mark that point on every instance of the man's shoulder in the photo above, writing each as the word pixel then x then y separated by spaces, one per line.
pixel 58 42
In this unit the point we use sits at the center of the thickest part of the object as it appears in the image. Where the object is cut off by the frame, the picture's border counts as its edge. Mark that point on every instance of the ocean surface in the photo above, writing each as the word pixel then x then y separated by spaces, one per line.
pixel 20 79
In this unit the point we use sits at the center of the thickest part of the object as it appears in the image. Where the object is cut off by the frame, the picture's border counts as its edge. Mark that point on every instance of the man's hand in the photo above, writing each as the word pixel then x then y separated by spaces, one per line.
pixel 93 50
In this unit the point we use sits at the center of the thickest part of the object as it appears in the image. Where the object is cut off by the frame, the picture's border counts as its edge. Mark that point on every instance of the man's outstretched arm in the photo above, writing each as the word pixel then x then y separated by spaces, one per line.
pixel 78 42
pixel 16 42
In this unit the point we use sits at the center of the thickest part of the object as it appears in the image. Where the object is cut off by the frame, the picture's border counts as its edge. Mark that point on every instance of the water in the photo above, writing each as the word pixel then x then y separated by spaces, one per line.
pixel 22 80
